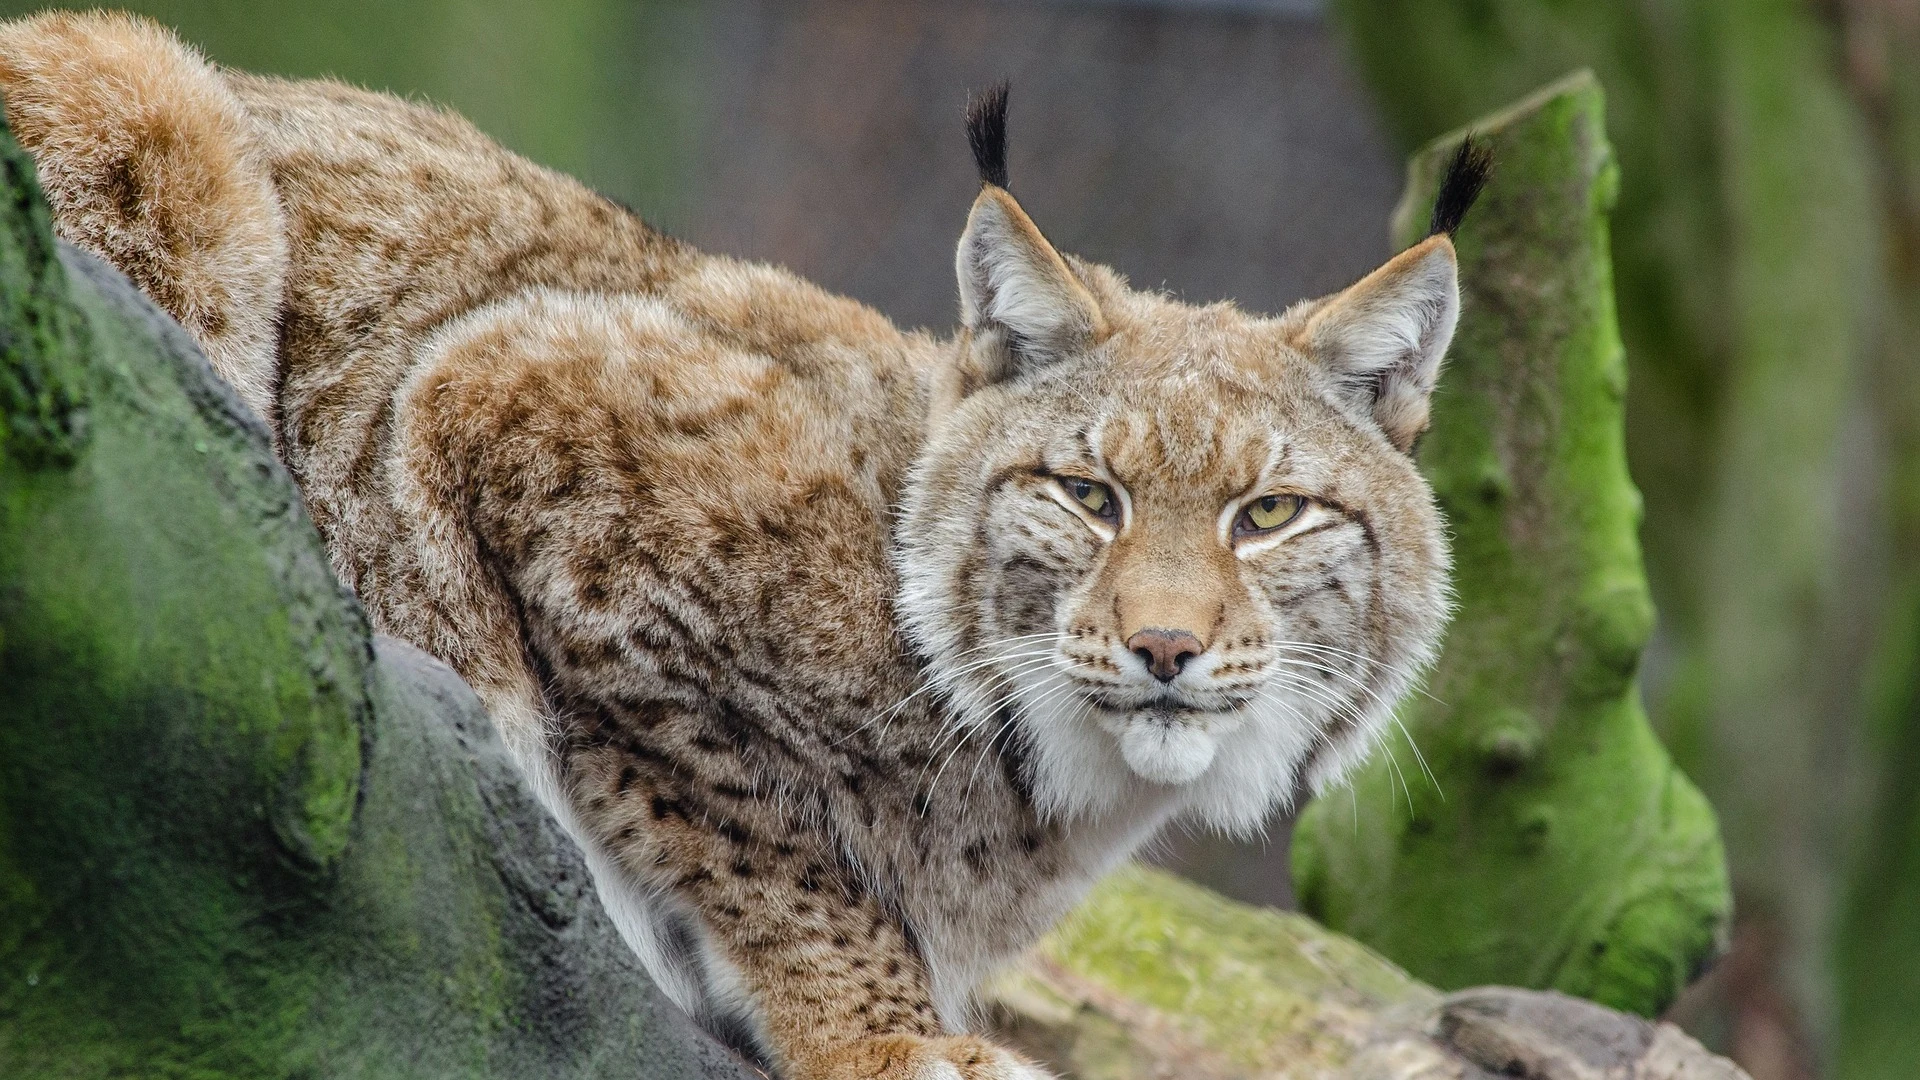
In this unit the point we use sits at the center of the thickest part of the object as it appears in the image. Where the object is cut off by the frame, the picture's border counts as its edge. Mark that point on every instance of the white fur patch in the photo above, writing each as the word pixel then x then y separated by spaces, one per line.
pixel 1166 751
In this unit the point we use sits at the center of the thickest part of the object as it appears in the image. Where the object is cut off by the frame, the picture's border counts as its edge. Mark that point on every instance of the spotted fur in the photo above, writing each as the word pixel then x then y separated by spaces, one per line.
pixel 792 617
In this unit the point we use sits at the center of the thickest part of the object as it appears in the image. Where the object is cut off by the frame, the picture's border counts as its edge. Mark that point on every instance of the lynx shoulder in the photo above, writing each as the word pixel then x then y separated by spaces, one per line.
pixel 850 656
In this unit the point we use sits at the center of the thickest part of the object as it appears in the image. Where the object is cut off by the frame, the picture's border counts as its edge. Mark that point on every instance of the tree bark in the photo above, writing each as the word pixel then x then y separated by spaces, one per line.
pixel 1546 839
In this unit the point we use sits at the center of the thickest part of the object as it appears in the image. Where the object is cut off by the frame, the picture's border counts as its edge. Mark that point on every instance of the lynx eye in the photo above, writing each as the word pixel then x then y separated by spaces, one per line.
pixel 1268 513
pixel 1092 494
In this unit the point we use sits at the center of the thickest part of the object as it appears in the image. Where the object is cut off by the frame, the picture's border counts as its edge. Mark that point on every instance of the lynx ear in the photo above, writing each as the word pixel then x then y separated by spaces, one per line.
pixel 1383 338
pixel 1022 305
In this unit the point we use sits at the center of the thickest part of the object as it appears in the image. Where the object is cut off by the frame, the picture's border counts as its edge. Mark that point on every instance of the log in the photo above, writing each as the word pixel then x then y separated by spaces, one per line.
pixel 1156 978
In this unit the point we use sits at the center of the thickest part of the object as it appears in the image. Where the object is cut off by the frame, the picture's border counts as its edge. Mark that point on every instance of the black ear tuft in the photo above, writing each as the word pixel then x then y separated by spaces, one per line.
pixel 987 133
pixel 1466 175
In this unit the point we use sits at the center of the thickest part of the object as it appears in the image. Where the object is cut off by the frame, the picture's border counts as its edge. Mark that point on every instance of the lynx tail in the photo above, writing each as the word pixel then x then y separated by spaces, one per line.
pixel 144 155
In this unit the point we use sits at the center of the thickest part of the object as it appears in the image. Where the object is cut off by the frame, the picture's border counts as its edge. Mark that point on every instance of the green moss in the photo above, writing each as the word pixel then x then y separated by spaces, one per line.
pixel 42 388
pixel 206 740
pixel 1561 849
pixel 1268 991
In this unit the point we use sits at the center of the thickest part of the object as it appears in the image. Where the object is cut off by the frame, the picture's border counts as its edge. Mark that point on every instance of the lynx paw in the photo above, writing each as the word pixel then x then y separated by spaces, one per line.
pixel 910 1057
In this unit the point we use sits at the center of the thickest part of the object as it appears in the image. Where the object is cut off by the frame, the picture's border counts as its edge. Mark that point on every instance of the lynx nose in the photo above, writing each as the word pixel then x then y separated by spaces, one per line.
pixel 1165 652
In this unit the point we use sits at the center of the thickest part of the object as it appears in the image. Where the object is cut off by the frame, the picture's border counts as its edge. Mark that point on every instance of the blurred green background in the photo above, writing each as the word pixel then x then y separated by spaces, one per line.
pixel 1767 247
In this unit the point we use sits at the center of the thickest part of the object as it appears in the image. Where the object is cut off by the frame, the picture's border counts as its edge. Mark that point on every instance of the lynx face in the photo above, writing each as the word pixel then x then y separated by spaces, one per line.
pixel 1170 552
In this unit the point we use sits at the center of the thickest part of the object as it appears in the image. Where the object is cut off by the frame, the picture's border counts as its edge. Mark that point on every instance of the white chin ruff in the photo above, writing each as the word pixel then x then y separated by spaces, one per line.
pixel 1166 751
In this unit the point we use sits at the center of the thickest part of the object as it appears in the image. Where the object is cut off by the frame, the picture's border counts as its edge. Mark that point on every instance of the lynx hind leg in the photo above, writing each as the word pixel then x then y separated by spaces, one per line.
pixel 144 155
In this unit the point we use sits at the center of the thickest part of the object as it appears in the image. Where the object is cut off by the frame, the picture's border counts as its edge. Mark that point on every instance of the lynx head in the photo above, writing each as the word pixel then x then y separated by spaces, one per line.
pixel 1174 550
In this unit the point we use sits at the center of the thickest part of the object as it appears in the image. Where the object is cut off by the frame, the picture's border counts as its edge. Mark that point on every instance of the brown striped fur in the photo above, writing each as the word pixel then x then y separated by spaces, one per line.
pixel 789 615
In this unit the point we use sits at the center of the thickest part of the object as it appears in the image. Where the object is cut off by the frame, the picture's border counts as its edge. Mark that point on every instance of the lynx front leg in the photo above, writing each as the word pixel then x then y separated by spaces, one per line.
pixel 828 980
pixel 832 981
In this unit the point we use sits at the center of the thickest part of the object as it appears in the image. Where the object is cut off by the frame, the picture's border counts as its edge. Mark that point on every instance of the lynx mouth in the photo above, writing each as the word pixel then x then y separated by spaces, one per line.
pixel 1169 703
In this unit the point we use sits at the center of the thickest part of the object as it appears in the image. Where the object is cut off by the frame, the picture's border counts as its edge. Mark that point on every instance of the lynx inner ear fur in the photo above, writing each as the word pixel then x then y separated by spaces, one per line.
pixel 1383 338
pixel 1019 301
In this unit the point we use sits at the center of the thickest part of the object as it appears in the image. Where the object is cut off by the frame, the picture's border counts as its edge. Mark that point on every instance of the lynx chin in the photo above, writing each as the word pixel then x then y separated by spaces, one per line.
pixel 852 657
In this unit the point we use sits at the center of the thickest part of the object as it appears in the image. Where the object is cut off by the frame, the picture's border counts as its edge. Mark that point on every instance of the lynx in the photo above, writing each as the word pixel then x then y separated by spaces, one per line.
pixel 850 656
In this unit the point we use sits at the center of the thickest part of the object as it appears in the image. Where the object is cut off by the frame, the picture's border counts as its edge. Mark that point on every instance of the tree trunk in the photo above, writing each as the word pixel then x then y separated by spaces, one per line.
pixel 1546 839
pixel 1746 242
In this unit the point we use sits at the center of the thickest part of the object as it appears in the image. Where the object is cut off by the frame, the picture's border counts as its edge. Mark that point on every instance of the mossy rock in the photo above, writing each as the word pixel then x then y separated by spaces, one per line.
pixel 238 837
